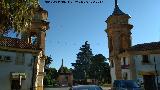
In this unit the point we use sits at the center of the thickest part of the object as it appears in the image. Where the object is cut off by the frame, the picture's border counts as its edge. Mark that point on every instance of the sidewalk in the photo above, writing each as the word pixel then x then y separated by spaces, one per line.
pixel 106 88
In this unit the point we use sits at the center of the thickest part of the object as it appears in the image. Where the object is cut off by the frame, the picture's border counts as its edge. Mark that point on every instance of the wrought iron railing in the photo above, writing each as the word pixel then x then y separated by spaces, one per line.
pixel 125 66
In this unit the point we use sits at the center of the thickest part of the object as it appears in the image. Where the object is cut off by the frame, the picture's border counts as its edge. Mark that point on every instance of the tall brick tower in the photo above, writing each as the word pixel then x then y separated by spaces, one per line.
pixel 35 35
pixel 119 38
pixel 37 31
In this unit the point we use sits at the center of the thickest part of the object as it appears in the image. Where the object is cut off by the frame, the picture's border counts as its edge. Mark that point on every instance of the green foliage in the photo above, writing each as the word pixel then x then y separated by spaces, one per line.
pixel 99 69
pixel 99 58
pixel 64 70
pixel 88 66
pixel 48 61
pixel 83 61
pixel 51 76
pixel 17 14
pixel 51 73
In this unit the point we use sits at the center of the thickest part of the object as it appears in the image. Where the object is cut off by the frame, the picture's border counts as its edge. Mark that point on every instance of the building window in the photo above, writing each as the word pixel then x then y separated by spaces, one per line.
pixel 145 59
pixel 125 75
pixel 7 58
pixel 124 60
pixel 15 85
pixel 20 59
pixel 1 58
pixel 124 63
pixel 112 63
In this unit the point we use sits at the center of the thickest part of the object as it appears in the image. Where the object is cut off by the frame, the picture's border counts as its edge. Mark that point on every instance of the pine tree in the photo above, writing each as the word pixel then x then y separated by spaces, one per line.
pixel 81 67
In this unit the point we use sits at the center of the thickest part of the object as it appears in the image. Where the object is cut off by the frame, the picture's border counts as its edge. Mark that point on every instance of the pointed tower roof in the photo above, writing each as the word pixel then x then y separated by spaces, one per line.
pixel 63 69
pixel 62 63
pixel 117 11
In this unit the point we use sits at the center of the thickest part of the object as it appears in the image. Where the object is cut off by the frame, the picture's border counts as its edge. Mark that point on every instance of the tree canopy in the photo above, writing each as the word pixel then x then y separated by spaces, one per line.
pixel 51 73
pixel 51 76
pixel 83 61
pixel 48 61
pixel 100 69
pixel 89 66
pixel 16 14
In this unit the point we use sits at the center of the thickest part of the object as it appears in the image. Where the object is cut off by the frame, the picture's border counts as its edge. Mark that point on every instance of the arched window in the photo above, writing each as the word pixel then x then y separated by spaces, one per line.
pixel 33 40
pixel 112 63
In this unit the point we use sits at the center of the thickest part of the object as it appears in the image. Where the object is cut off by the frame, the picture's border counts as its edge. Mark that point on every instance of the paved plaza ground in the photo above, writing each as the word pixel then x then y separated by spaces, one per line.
pixel 67 88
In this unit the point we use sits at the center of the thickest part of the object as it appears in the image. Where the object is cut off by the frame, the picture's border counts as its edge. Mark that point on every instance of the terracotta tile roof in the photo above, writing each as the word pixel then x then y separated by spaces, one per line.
pixel 146 46
pixel 16 43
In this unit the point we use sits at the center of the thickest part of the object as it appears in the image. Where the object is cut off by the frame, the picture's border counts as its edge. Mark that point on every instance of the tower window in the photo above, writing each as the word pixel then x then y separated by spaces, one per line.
pixel 145 59
pixel 33 40
pixel 112 63
pixel 124 60
pixel 110 45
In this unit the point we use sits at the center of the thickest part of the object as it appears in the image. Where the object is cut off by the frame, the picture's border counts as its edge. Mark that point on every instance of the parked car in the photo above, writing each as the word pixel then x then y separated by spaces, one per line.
pixel 86 87
pixel 125 85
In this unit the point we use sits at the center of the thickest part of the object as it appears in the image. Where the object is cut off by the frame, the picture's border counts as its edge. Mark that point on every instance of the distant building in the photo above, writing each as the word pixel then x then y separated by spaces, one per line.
pixel 139 62
pixel 65 76
pixel 22 60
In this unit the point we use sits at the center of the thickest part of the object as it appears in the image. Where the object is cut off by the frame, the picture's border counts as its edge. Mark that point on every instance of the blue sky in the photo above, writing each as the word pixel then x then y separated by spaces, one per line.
pixel 71 24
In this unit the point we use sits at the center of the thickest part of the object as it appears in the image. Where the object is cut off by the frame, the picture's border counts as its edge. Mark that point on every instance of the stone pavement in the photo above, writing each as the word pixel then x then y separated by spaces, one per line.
pixel 106 88
pixel 63 88
pixel 67 88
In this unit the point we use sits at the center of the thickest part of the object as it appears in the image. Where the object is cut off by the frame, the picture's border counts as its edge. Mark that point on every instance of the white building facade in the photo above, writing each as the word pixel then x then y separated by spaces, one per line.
pixel 16 69
pixel 22 60
pixel 140 62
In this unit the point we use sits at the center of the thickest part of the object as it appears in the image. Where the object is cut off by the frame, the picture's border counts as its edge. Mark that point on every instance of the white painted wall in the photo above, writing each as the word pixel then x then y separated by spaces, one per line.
pixel 7 67
pixel 146 67
pixel 113 75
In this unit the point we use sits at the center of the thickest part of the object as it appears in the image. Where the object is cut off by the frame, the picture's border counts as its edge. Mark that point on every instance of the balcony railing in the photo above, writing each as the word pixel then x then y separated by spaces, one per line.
pixel 125 66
